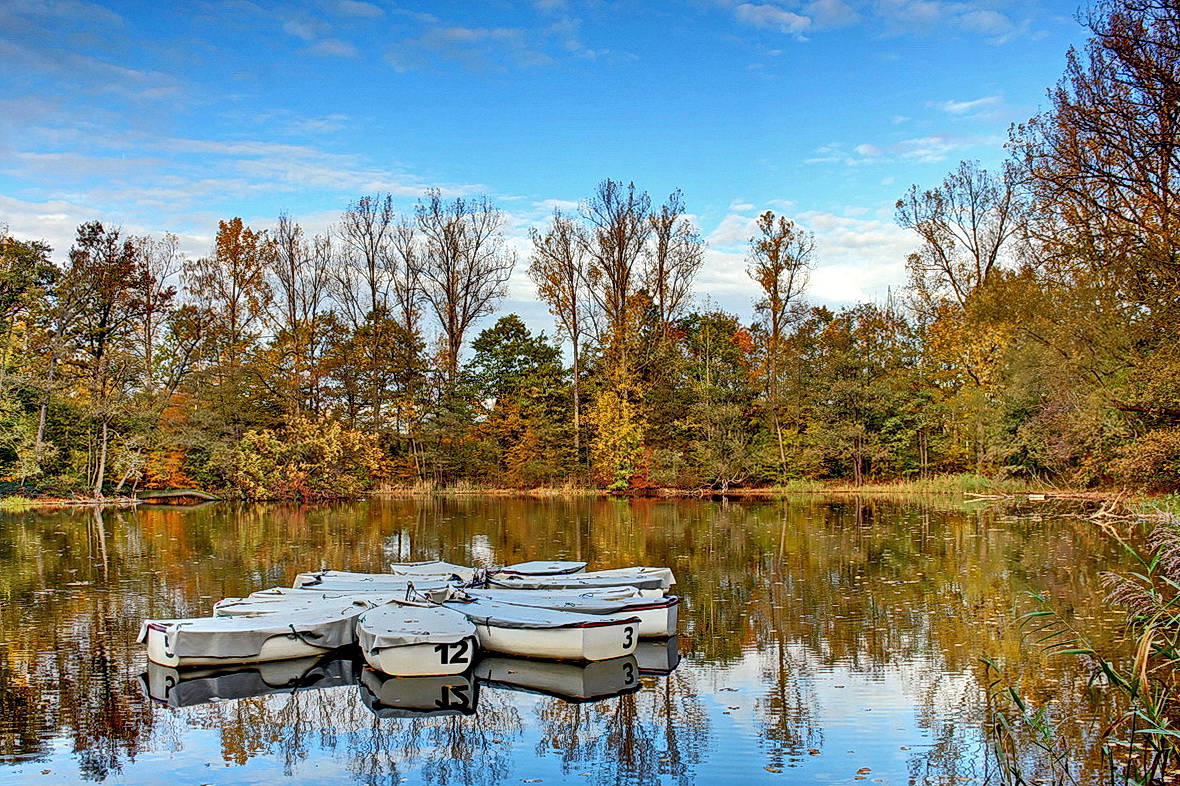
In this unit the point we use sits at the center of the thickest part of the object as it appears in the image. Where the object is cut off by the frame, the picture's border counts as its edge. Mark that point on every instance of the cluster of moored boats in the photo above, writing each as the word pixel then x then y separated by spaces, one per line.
pixel 429 618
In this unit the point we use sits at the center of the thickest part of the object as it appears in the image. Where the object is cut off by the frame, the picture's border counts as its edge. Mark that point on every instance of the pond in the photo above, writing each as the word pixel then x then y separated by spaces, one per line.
pixel 823 640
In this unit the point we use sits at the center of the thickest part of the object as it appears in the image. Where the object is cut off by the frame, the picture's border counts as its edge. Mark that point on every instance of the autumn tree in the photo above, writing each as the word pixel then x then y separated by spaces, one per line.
pixel 300 277
pixel 967 226
pixel 779 260
pixel 232 283
pixel 231 286
pixel 716 355
pixel 27 277
pixel 109 279
pixel 618 227
pixel 674 258
pixel 162 263
pixel 1101 169
pixel 558 269
pixel 363 281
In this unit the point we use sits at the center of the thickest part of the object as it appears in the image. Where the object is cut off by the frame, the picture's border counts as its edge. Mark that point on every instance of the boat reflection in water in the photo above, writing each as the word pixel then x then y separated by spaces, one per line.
pixel 572 681
pixel 403 697
pixel 188 687
pixel 658 657
pixel 414 697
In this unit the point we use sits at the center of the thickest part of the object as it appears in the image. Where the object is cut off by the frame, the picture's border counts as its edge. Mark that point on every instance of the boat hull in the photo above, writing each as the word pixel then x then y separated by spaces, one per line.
pixel 275 648
pixel 424 660
pixel 588 642
pixel 658 621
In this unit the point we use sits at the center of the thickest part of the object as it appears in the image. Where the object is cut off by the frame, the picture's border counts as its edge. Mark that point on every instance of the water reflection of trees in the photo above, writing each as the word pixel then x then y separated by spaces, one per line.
pixel 661 730
pixel 873 586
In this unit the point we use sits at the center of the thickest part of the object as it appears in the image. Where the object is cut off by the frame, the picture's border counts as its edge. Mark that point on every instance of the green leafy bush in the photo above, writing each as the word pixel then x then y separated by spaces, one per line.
pixel 1151 461
pixel 308 460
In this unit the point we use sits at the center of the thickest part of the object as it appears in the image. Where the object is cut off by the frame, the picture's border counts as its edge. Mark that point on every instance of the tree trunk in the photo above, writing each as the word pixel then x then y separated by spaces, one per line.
pixel 577 403
pixel 100 472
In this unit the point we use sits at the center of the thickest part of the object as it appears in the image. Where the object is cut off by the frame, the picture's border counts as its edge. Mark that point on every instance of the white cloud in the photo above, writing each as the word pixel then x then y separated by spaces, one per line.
pixel 966 107
pixel 332 47
pixel 890 17
pixel 827 14
pixel 307 29
pixel 733 232
pixel 930 149
pixel 858 259
pixel 773 17
pixel 359 9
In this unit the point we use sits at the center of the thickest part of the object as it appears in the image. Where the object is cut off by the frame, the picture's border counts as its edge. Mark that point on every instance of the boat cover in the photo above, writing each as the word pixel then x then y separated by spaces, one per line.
pixel 315 577
pixel 399 625
pixel 540 568
pixel 664 573
pixel 580 581
pixel 274 604
pixel 584 604
pixel 435 568
pixel 397 591
pixel 243 637
pixel 508 615
pixel 374 585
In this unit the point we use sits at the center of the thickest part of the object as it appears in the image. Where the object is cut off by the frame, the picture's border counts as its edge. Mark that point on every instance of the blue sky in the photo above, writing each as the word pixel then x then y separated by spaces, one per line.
pixel 168 116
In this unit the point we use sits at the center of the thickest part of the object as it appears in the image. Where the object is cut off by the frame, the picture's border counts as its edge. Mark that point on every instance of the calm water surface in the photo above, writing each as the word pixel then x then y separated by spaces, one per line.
pixel 823 641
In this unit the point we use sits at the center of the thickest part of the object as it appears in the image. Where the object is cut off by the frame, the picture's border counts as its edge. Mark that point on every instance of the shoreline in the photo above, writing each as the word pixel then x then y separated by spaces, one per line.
pixel 976 490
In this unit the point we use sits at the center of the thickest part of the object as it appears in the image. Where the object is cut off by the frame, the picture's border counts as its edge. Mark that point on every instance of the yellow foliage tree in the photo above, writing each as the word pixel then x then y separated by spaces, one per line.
pixel 617 445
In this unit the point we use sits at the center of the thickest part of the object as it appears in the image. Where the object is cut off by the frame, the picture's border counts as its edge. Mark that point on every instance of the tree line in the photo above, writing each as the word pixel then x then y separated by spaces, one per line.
pixel 1036 336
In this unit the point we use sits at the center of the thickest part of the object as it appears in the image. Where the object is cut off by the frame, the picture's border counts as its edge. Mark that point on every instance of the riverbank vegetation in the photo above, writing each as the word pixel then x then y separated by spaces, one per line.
pixel 1036 339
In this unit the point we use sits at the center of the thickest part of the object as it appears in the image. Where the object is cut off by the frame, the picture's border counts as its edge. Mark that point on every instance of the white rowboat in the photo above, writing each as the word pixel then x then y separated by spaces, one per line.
pixel 658 617
pixel 546 633
pixel 649 586
pixel 416 640
pixel 218 641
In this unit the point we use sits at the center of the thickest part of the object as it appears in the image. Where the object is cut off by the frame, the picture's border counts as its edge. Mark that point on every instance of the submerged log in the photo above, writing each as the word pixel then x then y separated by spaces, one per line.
pixel 177 497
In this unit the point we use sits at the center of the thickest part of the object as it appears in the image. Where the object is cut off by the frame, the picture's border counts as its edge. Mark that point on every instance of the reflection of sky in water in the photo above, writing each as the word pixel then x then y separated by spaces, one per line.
pixel 861 720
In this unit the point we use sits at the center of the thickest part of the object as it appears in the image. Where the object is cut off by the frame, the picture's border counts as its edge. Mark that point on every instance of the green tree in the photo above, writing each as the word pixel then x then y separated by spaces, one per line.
pixel 524 387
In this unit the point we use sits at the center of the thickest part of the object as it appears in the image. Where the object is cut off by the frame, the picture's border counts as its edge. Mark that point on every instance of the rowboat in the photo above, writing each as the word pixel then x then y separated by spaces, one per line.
pixel 370 582
pixel 540 568
pixel 442 569
pixel 189 687
pixel 218 641
pixel 318 578
pixel 570 681
pixel 416 639
pixel 651 586
pixel 657 616
pixel 415 697
pixel 435 568
pixel 547 633
pixel 665 574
